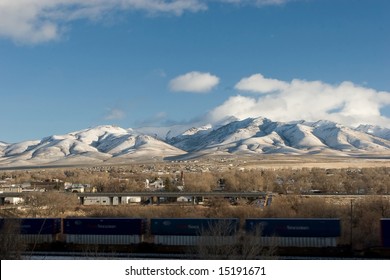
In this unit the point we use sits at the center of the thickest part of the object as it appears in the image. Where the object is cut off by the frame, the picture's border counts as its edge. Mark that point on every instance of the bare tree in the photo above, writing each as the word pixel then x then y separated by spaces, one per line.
pixel 11 245
pixel 222 240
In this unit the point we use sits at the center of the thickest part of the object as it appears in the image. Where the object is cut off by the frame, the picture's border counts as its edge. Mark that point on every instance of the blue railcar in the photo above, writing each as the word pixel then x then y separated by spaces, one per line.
pixel 34 230
pixel 40 226
pixel 101 226
pixel 34 225
pixel 294 227
pixel 294 232
pixel 193 232
pixel 385 232
pixel 193 226
pixel 104 230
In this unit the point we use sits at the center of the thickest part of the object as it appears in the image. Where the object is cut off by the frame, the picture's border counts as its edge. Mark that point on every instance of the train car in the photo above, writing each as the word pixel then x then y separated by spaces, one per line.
pixel 104 230
pixel 33 230
pixel 283 232
pixel 385 232
pixel 195 231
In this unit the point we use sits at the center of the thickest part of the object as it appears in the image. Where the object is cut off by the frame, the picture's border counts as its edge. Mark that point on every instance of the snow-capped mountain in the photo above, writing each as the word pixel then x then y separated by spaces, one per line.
pixel 94 145
pixel 263 136
pixel 111 144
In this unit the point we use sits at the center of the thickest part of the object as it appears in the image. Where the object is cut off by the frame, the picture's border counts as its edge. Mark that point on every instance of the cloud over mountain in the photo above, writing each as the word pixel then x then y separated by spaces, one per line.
pixel 114 114
pixel 345 103
pixel 258 83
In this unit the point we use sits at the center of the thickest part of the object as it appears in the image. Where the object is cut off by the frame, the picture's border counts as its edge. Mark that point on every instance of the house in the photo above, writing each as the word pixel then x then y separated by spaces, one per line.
pixel 11 188
pixel 78 188
pixel 184 199
pixel 13 200
pixel 157 185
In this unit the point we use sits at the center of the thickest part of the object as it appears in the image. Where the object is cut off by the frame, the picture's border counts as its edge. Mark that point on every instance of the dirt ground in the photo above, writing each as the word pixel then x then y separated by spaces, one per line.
pixel 299 162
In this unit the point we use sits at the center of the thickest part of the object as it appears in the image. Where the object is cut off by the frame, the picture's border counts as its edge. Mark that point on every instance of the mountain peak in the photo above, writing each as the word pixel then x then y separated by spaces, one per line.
pixel 323 123
pixel 106 128
pixel 195 130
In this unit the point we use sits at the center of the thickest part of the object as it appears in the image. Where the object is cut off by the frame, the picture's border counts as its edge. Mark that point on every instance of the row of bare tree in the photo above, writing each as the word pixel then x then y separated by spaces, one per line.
pixel 347 180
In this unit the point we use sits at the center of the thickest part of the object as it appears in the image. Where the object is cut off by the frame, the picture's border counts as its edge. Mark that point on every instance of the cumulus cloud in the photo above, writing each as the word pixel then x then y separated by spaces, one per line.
pixel 36 21
pixel 115 114
pixel 344 103
pixel 194 82
pixel 257 83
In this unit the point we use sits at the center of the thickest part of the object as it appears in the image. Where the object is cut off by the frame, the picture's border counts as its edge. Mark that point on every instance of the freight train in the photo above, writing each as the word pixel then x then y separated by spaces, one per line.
pixel 279 232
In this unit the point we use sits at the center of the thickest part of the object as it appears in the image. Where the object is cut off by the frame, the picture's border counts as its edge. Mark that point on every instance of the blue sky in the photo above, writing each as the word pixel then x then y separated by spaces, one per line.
pixel 139 63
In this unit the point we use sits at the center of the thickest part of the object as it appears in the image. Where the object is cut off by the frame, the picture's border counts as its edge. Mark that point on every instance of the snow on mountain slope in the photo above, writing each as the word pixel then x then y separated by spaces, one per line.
pixel 343 138
pixel 18 148
pixel 200 139
pixel 375 130
pixel 298 136
pixel 90 145
pixel 169 132
pixel 111 144
pixel 3 146
pixel 163 133
pixel 98 134
pixel 262 135
pixel 145 146
pixel 249 135
pixel 198 130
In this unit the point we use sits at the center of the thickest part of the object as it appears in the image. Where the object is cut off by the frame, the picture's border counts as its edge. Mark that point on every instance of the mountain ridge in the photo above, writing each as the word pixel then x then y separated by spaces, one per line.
pixel 251 136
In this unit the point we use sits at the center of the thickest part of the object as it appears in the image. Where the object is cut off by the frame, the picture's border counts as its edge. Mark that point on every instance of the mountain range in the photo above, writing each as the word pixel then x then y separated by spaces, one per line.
pixel 252 136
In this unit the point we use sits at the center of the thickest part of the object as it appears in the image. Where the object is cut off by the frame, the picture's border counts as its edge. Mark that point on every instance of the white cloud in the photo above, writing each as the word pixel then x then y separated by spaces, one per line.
pixel 194 82
pixel 257 83
pixel 115 114
pixel 36 21
pixel 345 103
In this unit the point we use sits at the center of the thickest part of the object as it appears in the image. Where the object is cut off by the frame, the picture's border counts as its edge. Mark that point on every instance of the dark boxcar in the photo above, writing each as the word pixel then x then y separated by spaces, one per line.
pixel 385 232
pixel 34 225
pixel 294 227
pixel 35 230
pixel 40 226
pixel 193 227
pixel 104 226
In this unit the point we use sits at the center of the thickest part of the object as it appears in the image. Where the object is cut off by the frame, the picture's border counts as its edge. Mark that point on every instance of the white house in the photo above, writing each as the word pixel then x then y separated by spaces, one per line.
pixel 155 186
